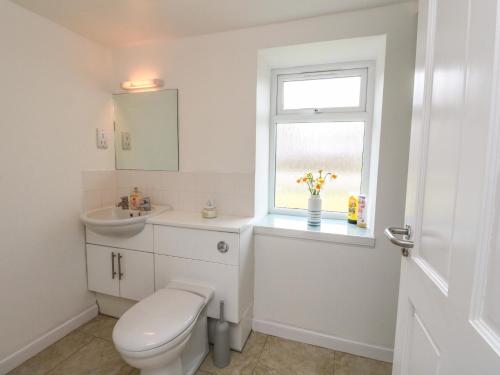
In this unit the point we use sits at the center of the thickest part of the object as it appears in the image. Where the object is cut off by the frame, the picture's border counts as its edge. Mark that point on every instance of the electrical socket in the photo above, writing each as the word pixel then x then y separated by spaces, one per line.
pixel 126 141
pixel 102 139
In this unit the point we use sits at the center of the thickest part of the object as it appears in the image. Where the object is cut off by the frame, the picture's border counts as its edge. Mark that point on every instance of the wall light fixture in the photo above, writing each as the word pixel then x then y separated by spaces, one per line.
pixel 142 84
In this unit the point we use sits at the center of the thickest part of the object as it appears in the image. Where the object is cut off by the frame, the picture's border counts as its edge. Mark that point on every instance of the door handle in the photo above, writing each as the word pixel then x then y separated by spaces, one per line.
pixel 120 274
pixel 404 242
pixel 113 272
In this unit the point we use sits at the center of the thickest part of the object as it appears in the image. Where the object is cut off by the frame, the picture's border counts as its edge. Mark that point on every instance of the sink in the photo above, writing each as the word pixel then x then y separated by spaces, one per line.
pixel 115 221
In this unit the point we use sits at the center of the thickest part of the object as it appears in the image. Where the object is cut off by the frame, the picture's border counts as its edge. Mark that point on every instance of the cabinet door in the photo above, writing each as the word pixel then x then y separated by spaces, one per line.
pixel 197 244
pixel 137 268
pixel 222 278
pixel 100 268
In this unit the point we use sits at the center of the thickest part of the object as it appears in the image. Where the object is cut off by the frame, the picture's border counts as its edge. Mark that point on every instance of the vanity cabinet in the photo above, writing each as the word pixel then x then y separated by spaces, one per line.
pixel 223 278
pixel 214 258
pixel 207 245
pixel 182 247
pixel 120 272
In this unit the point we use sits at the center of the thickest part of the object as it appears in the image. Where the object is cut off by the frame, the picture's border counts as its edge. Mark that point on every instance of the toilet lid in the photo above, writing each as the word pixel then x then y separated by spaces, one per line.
pixel 157 320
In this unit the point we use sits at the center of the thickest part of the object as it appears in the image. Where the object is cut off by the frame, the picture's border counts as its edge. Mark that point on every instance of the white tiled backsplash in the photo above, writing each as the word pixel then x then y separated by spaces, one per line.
pixel 186 191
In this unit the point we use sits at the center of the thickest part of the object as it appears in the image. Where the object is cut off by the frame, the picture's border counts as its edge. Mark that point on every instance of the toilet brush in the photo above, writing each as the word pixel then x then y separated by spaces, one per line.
pixel 221 355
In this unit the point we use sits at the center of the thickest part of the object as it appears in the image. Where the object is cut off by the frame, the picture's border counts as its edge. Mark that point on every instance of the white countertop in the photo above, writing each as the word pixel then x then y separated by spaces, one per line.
pixel 224 223
pixel 337 231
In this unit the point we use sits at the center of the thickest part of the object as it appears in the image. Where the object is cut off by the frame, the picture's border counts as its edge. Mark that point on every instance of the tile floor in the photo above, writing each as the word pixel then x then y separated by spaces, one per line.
pixel 89 350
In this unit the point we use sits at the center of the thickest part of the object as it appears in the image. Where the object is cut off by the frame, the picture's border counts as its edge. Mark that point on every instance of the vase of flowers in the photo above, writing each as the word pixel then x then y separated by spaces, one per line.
pixel 314 184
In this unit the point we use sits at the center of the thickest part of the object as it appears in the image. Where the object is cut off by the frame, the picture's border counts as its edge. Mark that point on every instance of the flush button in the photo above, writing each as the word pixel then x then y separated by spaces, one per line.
pixel 222 246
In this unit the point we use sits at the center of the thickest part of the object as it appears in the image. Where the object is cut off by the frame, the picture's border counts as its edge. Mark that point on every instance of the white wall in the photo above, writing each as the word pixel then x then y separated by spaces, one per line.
pixel 54 94
pixel 216 78
pixel 216 75
pixel 338 296
pixel 336 291
pixel 345 297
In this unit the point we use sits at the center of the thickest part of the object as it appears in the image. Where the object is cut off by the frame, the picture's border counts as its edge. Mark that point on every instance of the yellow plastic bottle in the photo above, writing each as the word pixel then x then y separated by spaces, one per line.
pixel 352 212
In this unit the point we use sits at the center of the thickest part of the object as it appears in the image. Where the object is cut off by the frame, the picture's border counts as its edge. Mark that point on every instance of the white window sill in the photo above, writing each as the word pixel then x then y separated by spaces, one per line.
pixel 331 230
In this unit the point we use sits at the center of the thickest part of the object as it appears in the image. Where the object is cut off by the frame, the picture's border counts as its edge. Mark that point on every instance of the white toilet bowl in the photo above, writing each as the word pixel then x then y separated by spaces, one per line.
pixel 166 333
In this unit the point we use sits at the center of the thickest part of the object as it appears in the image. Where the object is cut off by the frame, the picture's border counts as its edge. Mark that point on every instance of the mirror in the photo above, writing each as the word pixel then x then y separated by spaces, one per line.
pixel 146 130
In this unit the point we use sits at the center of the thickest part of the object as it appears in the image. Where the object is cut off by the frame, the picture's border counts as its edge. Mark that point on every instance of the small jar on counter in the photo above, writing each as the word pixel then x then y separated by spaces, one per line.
pixel 210 210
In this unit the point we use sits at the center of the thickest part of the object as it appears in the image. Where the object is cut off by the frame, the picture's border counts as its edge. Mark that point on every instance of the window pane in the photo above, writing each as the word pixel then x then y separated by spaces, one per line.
pixel 303 147
pixel 322 93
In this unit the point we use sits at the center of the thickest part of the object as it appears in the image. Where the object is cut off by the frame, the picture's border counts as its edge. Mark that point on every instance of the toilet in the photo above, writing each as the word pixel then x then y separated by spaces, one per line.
pixel 166 333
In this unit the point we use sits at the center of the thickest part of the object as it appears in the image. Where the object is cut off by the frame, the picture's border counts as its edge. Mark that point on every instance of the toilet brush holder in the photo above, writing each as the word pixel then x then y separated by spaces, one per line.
pixel 221 354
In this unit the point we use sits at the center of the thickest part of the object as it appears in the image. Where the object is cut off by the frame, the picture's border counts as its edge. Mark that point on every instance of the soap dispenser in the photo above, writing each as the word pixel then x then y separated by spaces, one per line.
pixel 135 199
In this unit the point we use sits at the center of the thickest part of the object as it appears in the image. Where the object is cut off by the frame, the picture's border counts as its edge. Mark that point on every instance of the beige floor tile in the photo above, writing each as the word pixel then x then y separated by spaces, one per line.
pixel 348 364
pixel 241 363
pixel 89 350
pixel 97 358
pixel 260 369
pixel 199 372
pixel 285 357
pixel 101 326
pixel 51 357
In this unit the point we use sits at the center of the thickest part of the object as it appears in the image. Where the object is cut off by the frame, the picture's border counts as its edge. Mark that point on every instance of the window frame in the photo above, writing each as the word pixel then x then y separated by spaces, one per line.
pixel 344 73
pixel 364 113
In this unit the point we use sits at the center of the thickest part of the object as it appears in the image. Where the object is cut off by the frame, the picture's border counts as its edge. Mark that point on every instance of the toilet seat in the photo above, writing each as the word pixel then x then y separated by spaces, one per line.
pixel 160 321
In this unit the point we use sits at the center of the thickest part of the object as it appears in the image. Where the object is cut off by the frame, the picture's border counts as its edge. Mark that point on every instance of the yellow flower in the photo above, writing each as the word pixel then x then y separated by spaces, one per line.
pixel 314 181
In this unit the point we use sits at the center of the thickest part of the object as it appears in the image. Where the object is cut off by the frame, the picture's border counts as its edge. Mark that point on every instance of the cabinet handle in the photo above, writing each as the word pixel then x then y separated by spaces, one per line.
pixel 120 274
pixel 222 246
pixel 113 272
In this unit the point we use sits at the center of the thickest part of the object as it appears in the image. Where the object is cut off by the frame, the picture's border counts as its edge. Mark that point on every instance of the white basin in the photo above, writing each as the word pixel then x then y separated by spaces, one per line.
pixel 115 221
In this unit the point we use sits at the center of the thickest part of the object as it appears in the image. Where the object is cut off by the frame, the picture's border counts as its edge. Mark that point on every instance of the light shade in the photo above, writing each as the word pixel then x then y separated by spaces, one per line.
pixel 142 84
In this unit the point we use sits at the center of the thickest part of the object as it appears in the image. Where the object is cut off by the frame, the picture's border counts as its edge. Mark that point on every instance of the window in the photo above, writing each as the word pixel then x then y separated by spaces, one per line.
pixel 321 118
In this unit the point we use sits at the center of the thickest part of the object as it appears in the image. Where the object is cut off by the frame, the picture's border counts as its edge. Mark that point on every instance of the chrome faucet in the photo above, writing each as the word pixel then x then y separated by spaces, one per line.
pixel 123 203
pixel 145 204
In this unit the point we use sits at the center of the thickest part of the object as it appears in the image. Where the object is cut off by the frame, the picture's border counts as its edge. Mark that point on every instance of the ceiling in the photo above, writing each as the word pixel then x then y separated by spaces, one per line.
pixel 120 22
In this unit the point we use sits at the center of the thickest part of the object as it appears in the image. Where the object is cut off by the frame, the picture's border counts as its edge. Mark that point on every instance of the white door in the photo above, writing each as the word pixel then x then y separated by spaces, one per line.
pixel 102 272
pixel 449 302
pixel 136 274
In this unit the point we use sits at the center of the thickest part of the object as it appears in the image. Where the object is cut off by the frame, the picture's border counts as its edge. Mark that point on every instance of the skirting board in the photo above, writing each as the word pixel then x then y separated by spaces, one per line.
pixel 320 339
pixel 44 341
